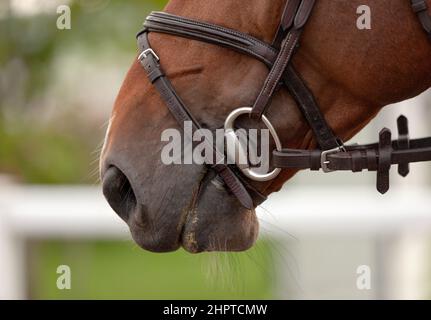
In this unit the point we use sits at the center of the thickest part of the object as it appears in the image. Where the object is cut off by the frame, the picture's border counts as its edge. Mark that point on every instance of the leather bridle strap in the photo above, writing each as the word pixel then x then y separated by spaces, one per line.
pixel 332 155
pixel 356 158
pixel 150 62
pixel 162 22
pixel 306 101
pixel 297 88
pixel 284 57
pixel 286 23
pixel 420 7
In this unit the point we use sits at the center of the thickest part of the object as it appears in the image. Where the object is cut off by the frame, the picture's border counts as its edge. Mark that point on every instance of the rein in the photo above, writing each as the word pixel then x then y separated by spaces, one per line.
pixel 332 154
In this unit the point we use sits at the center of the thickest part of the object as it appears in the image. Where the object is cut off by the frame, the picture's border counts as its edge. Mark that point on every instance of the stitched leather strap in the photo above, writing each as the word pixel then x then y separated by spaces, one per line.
pixel 284 57
pixel 162 22
pixel 272 81
pixel 310 110
pixel 286 22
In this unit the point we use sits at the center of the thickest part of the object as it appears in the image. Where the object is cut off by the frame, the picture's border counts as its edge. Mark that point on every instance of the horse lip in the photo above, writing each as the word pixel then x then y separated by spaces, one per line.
pixel 191 210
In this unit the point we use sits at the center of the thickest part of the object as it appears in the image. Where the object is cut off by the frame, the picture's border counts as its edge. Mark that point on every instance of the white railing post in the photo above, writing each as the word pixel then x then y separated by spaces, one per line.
pixel 12 253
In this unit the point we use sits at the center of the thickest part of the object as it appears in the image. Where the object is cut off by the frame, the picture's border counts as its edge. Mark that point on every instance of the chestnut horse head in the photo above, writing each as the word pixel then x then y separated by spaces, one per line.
pixel 353 73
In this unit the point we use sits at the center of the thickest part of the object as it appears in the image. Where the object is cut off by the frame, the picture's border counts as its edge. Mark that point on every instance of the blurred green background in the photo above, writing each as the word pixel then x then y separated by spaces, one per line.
pixel 120 270
pixel 52 111
pixel 57 90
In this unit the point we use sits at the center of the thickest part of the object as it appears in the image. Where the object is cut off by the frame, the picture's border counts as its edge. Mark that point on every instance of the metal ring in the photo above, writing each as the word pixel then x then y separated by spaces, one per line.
pixel 231 137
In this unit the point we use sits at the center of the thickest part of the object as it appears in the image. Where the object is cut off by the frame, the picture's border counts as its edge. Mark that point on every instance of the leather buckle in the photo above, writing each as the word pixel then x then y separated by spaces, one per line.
pixel 324 162
pixel 146 53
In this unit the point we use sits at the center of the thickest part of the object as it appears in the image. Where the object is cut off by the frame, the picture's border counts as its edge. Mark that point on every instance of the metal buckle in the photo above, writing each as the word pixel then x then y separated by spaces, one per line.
pixel 147 52
pixel 231 137
pixel 324 158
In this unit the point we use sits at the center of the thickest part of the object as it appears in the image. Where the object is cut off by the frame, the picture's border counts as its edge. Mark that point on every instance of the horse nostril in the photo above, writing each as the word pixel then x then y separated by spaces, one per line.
pixel 118 192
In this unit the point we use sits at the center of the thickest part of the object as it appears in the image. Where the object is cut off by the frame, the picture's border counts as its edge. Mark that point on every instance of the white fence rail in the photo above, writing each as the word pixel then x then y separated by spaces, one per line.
pixel 81 212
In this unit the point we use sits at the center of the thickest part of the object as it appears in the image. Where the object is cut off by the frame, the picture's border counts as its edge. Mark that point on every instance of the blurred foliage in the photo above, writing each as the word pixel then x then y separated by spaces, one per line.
pixel 36 39
pixel 119 270
pixel 45 152
pixel 45 155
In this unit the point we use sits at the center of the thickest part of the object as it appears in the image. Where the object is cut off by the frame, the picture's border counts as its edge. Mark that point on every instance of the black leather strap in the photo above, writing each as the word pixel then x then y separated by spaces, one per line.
pixel 420 7
pixel 403 143
pixel 419 151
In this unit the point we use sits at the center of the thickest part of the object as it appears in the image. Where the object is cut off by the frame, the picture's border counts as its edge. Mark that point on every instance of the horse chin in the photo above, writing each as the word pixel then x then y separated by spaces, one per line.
pixel 217 222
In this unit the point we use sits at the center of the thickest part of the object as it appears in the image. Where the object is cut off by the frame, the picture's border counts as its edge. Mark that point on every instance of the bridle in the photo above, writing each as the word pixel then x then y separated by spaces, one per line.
pixel 332 154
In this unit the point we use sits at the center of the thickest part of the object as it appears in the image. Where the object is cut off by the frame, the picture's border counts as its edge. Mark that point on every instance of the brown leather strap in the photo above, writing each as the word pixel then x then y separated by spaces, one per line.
pixel 283 59
pixel 274 77
pixel 166 23
pixel 151 65
pixel 286 22
pixel 373 157
pixel 420 7
pixel 311 111
pixel 419 151
pixel 170 24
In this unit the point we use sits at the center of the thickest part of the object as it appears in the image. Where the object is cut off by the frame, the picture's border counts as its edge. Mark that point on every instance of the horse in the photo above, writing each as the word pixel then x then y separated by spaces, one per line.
pixel 352 72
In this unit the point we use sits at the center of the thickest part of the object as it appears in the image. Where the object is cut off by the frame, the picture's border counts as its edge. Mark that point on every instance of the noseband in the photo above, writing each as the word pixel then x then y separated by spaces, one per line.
pixel 332 154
